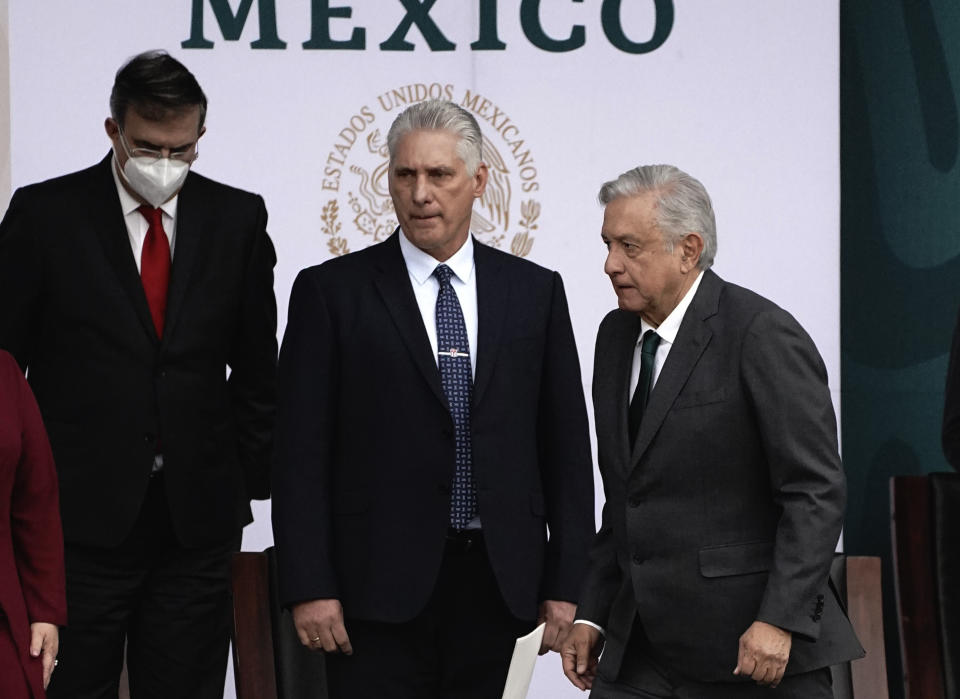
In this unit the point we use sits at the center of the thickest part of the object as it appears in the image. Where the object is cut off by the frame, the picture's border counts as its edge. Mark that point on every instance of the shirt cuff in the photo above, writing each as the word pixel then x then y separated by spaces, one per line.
pixel 590 623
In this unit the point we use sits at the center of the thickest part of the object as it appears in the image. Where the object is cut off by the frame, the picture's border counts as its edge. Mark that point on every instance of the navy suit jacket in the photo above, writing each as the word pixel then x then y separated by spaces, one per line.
pixel 366 448
pixel 728 506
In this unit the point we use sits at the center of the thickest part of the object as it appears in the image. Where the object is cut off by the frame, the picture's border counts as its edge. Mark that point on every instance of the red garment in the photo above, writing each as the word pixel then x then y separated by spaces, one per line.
pixel 32 586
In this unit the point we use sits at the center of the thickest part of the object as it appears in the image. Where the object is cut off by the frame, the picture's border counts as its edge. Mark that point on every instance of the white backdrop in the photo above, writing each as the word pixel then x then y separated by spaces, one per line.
pixel 742 94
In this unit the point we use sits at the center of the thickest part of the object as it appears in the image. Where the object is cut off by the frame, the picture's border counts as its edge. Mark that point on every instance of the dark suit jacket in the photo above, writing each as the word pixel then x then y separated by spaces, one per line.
pixel 366 449
pixel 112 394
pixel 31 542
pixel 729 505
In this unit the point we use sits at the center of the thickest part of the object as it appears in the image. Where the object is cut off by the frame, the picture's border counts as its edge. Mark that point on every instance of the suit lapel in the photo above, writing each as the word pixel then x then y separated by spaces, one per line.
pixel 493 290
pixel 393 283
pixel 106 218
pixel 191 224
pixel 692 339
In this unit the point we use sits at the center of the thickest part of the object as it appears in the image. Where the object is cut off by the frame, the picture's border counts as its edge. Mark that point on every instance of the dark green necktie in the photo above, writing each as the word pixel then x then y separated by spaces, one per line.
pixel 648 351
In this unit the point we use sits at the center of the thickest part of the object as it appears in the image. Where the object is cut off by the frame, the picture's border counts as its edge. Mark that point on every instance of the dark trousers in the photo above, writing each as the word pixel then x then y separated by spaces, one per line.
pixel 169 605
pixel 644 676
pixel 458 647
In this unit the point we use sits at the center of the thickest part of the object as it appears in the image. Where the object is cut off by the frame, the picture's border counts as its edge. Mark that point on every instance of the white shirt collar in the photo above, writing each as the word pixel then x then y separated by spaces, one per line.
pixel 421 264
pixel 670 326
pixel 128 204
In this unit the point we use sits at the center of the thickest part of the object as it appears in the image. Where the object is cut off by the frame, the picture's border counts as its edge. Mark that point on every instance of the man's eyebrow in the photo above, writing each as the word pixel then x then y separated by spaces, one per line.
pixel 140 143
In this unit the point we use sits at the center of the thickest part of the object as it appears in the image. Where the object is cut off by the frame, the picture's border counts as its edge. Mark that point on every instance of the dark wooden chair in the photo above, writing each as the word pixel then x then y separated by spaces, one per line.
pixel 268 660
pixel 858 580
pixel 926 557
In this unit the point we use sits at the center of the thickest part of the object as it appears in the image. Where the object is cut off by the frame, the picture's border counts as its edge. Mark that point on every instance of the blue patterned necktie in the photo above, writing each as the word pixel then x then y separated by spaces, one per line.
pixel 453 350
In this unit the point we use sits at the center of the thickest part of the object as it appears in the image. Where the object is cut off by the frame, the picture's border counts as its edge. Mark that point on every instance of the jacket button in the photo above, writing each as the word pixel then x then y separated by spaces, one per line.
pixel 636 501
pixel 148 438
pixel 637 558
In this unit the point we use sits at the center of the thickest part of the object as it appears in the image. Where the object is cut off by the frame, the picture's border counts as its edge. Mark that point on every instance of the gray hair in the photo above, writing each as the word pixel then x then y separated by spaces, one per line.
pixel 683 205
pixel 441 115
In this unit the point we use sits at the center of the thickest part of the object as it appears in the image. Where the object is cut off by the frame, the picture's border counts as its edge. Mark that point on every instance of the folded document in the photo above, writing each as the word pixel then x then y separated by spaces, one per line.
pixel 525 654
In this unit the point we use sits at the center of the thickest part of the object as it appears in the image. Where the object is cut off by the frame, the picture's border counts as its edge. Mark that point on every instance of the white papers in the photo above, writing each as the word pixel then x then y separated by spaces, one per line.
pixel 524 658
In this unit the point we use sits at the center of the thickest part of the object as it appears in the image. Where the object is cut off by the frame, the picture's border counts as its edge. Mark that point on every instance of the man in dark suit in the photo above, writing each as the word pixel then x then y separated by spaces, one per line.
pixel 431 428
pixel 725 491
pixel 128 291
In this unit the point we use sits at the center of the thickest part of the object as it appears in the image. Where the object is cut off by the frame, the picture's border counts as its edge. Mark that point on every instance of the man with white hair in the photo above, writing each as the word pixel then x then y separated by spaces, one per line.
pixel 432 431
pixel 725 492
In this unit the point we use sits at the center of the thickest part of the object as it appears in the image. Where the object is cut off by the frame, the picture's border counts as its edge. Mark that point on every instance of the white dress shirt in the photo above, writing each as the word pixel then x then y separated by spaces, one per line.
pixel 137 224
pixel 426 286
pixel 667 330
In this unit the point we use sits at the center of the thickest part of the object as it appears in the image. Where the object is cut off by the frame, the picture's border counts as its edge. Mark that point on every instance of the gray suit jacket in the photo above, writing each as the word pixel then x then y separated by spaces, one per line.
pixel 729 505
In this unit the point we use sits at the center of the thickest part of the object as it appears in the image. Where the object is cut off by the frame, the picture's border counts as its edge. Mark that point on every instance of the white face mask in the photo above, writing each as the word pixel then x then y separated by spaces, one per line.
pixel 155 180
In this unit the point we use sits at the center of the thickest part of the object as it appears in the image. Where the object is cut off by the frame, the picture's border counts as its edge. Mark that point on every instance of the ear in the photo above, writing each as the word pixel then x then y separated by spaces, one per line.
pixel 691 246
pixel 480 180
pixel 203 130
pixel 111 127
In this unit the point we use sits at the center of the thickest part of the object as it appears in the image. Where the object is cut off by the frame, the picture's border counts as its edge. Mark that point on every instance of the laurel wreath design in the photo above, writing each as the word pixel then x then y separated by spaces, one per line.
pixel 520 245
pixel 331 226
pixel 522 242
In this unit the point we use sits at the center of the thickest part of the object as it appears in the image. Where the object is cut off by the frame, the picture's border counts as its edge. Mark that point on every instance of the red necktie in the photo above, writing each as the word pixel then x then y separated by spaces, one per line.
pixel 155 265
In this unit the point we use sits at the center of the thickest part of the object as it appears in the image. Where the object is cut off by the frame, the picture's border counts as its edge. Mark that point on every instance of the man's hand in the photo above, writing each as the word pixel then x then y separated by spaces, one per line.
pixel 764 651
pixel 45 639
pixel 579 651
pixel 319 624
pixel 559 618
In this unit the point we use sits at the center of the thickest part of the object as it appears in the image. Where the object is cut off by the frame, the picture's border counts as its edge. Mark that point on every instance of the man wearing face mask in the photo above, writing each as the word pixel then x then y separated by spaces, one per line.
pixel 128 291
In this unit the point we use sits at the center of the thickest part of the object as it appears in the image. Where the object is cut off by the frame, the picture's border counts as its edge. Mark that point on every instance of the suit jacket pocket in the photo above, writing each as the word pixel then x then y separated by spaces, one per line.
pixel 736 559
pixel 697 398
